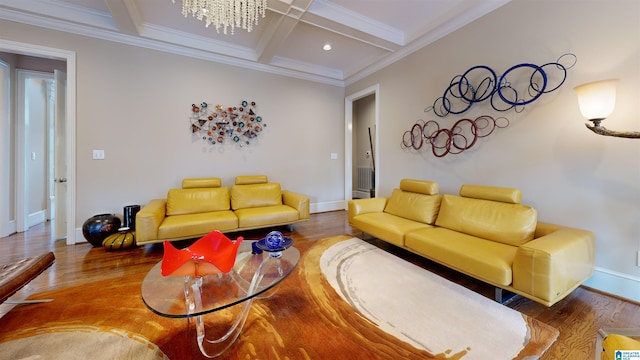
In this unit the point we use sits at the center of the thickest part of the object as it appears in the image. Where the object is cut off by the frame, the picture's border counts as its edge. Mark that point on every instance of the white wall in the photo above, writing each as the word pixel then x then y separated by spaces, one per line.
pixel 135 103
pixel 572 176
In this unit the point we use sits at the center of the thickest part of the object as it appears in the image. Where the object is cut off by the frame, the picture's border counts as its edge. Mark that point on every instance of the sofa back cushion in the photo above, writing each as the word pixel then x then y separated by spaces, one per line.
pixel 255 195
pixel 419 186
pixel 251 179
pixel 415 200
pixel 507 195
pixel 193 183
pixel 508 223
pixel 197 200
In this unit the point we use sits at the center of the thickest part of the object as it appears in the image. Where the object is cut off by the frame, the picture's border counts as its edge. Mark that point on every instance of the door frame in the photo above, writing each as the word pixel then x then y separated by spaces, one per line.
pixel 348 138
pixel 7 225
pixel 70 58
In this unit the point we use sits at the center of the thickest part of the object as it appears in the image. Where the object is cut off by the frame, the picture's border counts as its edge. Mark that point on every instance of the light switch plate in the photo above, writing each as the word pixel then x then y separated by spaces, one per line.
pixel 98 154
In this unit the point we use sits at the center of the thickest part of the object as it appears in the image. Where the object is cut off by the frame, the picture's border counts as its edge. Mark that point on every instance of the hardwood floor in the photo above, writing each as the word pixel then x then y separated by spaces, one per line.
pixel 578 317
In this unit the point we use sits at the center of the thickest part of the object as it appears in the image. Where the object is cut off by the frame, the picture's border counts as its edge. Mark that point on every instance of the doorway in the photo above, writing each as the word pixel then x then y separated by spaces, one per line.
pixel 34 116
pixel 40 145
pixel 69 144
pixel 361 143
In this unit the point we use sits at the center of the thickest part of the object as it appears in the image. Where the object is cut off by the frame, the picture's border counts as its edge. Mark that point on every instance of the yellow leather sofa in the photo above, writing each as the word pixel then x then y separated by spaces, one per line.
pixel 203 205
pixel 614 345
pixel 486 233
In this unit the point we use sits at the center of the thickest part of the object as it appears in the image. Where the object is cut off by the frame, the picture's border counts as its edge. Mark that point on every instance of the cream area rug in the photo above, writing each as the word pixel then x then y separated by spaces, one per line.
pixel 80 342
pixel 420 308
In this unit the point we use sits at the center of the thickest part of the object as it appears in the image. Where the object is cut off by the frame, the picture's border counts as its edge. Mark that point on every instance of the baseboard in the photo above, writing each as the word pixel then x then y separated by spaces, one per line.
pixel 12 228
pixel 616 283
pixel 361 194
pixel 36 218
pixel 79 237
pixel 327 206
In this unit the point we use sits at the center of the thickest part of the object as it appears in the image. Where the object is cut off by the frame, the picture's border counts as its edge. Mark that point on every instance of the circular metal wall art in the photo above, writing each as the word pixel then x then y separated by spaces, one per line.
pixel 462 136
pixel 520 85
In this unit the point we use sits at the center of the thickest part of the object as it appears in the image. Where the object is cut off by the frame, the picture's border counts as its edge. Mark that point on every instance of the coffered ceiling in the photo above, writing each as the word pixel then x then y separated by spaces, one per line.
pixel 365 35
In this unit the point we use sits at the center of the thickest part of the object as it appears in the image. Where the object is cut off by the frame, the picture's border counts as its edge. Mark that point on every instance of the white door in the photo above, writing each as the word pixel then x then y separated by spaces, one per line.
pixel 60 156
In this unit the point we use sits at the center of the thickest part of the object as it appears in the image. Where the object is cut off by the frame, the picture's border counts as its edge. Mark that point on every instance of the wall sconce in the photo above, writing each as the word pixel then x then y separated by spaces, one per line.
pixel 597 100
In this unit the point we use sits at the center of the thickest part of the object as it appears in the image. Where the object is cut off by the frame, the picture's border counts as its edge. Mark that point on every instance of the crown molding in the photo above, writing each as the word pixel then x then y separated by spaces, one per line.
pixel 311 73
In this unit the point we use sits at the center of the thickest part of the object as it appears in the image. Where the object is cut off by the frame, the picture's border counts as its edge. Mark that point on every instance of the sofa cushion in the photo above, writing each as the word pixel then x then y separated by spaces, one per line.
pixel 195 225
pixel 512 224
pixel 385 226
pixel 266 215
pixel 255 195
pixel 413 206
pixel 199 200
pixel 486 260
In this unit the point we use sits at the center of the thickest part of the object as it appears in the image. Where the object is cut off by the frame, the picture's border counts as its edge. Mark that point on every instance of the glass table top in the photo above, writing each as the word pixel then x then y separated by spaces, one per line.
pixel 165 295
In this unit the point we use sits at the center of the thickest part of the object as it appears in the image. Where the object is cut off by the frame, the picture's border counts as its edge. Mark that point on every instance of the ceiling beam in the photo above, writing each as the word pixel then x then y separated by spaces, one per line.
pixel 349 31
pixel 353 24
pixel 125 15
pixel 288 17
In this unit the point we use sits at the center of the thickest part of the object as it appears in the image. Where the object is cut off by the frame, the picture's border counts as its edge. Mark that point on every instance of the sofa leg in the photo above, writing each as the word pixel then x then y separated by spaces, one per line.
pixel 367 237
pixel 290 227
pixel 504 297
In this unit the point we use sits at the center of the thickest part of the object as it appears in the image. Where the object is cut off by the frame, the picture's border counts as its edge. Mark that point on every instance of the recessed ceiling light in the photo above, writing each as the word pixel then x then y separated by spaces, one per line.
pixel 326 47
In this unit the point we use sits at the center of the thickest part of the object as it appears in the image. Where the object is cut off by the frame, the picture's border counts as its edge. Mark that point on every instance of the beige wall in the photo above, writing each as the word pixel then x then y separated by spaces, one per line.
pixel 135 103
pixel 572 176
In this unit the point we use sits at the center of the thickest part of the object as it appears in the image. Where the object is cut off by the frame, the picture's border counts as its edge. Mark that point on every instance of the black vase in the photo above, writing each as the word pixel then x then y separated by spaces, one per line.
pixel 129 216
pixel 98 227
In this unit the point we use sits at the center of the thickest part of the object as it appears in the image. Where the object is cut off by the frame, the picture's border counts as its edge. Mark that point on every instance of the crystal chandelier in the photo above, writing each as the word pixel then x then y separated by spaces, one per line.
pixel 226 13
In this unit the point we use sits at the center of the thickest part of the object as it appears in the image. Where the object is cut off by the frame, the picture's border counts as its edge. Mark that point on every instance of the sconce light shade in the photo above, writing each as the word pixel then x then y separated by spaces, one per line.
pixel 597 99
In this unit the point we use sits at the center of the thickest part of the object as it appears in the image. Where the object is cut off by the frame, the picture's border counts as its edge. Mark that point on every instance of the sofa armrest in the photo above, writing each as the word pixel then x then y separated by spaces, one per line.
pixel 365 206
pixel 555 263
pixel 148 220
pixel 543 228
pixel 297 201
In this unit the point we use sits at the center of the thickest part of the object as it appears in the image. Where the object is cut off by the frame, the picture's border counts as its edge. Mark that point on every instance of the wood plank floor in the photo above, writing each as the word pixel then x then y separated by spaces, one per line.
pixel 578 317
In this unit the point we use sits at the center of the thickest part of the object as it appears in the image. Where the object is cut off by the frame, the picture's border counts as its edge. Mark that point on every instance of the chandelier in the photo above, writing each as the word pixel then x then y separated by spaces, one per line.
pixel 226 13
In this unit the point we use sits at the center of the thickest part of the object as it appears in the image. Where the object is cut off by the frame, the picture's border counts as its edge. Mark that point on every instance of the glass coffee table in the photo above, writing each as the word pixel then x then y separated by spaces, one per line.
pixel 192 297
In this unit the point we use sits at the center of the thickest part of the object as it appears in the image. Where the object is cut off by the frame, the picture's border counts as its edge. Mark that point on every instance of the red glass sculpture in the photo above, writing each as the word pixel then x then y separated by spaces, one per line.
pixel 211 254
